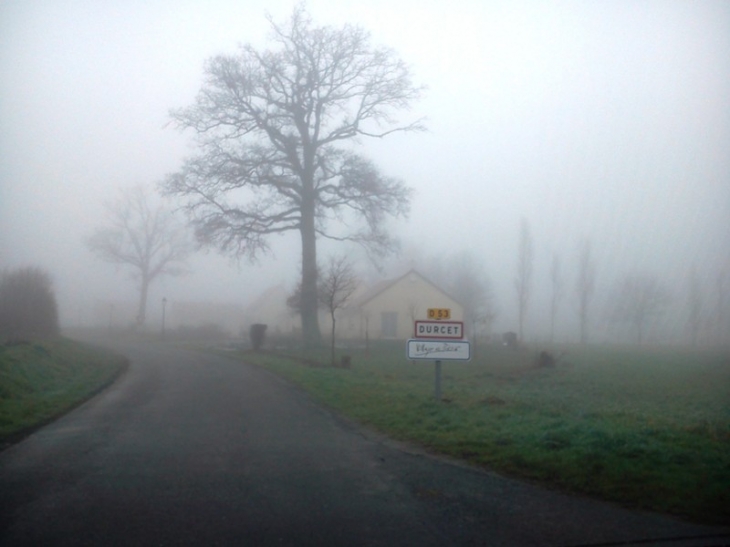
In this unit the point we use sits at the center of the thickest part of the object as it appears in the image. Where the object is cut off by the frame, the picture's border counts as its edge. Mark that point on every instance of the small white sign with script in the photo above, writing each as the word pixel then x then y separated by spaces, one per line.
pixel 436 350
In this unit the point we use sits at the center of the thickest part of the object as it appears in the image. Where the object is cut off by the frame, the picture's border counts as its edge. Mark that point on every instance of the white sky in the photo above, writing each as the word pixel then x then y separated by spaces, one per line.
pixel 600 120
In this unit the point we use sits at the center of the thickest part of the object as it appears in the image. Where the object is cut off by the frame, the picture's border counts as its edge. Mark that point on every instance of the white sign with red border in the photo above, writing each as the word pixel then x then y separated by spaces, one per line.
pixel 448 330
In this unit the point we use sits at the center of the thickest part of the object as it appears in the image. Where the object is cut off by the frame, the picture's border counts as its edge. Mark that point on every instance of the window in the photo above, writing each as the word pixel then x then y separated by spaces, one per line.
pixel 389 324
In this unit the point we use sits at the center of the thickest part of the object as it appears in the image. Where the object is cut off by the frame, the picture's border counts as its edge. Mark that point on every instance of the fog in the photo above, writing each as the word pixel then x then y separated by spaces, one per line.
pixel 597 121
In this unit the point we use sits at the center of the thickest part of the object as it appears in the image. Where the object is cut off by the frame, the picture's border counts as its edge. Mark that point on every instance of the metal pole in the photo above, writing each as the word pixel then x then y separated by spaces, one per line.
pixel 367 337
pixel 437 382
pixel 164 302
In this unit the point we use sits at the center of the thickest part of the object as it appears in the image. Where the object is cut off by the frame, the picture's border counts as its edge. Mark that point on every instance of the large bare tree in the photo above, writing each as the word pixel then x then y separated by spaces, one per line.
pixel 275 129
pixel 143 236
pixel 523 279
pixel 585 285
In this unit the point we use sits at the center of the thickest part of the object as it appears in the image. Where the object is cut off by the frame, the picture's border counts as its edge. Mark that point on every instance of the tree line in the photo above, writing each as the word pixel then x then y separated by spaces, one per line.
pixel 636 300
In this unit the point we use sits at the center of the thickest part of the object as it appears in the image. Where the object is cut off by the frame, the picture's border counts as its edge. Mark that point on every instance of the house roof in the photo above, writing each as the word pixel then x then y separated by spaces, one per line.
pixel 382 286
pixel 275 293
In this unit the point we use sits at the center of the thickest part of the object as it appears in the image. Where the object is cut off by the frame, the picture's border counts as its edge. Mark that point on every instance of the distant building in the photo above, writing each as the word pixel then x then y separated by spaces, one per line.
pixel 271 309
pixel 230 317
pixel 385 310
pixel 388 310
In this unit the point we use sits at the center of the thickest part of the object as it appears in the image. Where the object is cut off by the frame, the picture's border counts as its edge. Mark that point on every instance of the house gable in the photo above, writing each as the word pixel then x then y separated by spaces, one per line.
pixel 390 312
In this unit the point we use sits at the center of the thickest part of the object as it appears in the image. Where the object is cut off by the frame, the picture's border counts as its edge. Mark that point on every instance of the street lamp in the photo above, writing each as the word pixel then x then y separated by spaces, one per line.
pixel 164 303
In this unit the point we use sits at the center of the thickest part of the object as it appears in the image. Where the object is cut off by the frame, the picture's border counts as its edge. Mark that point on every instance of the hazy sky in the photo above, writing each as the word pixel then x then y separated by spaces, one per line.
pixel 601 120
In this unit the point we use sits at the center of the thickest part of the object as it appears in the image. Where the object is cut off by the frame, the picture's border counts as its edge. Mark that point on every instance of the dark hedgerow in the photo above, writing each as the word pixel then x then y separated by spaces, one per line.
pixel 28 309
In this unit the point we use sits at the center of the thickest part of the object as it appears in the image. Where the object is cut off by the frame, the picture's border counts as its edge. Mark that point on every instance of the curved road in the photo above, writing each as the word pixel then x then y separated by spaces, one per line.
pixel 193 449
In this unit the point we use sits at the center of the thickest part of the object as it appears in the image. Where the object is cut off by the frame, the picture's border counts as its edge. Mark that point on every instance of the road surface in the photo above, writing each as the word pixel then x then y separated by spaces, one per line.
pixel 193 449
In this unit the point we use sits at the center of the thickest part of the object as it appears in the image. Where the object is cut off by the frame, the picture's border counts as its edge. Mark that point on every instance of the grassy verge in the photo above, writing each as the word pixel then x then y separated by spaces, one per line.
pixel 42 380
pixel 650 430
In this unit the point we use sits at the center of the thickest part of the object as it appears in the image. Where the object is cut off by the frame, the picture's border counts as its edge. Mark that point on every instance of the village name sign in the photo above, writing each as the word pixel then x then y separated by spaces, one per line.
pixel 438 339
pixel 440 329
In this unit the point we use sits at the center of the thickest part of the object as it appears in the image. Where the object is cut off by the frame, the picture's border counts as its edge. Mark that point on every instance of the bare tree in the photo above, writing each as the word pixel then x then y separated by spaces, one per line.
pixel 143 237
pixel 413 311
pixel 523 279
pixel 335 289
pixel 695 305
pixel 585 286
pixel 472 287
pixel 723 336
pixel 465 279
pixel 274 129
pixel 639 298
pixel 556 280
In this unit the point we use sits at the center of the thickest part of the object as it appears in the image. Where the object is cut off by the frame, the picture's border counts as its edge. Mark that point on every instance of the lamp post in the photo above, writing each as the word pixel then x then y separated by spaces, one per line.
pixel 111 317
pixel 164 303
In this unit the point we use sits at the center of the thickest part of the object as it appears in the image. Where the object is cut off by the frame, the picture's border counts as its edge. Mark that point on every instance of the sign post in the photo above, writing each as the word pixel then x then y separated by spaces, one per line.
pixel 438 339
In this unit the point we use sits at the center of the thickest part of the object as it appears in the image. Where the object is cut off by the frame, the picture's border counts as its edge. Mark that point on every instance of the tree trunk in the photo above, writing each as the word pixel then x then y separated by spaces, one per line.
pixel 553 308
pixel 333 338
pixel 583 324
pixel 310 321
pixel 142 310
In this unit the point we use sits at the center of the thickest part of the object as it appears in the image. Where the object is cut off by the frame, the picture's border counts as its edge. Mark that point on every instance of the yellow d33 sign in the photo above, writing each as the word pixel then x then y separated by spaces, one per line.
pixel 439 313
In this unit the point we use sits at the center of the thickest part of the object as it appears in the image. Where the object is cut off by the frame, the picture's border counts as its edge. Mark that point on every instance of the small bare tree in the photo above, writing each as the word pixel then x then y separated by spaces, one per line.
pixel 336 287
pixel 472 287
pixel 721 327
pixel 143 237
pixel 556 280
pixel 694 305
pixel 637 299
pixel 584 287
pixel 466 280
pixel 523 279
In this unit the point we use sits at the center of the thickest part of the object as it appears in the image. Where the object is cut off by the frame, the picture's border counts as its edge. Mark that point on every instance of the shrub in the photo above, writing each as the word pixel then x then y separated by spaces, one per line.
pixel 28 308
pixel 257 335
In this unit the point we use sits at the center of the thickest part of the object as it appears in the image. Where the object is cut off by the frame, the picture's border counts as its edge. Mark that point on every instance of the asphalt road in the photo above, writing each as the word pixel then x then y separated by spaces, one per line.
pixel 193 449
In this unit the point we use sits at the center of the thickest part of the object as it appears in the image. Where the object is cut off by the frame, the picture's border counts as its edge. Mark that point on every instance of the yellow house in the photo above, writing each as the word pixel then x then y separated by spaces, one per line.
pixel 389 309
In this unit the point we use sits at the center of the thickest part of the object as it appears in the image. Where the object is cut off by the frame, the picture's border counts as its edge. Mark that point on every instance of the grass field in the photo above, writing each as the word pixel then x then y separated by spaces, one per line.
pixel 647 429
pixel 40 381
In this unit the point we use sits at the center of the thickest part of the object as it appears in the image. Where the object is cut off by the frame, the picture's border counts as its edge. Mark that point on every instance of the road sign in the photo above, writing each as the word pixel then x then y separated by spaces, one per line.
pixel 434 350
pixel 453 330
pixel 439 313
